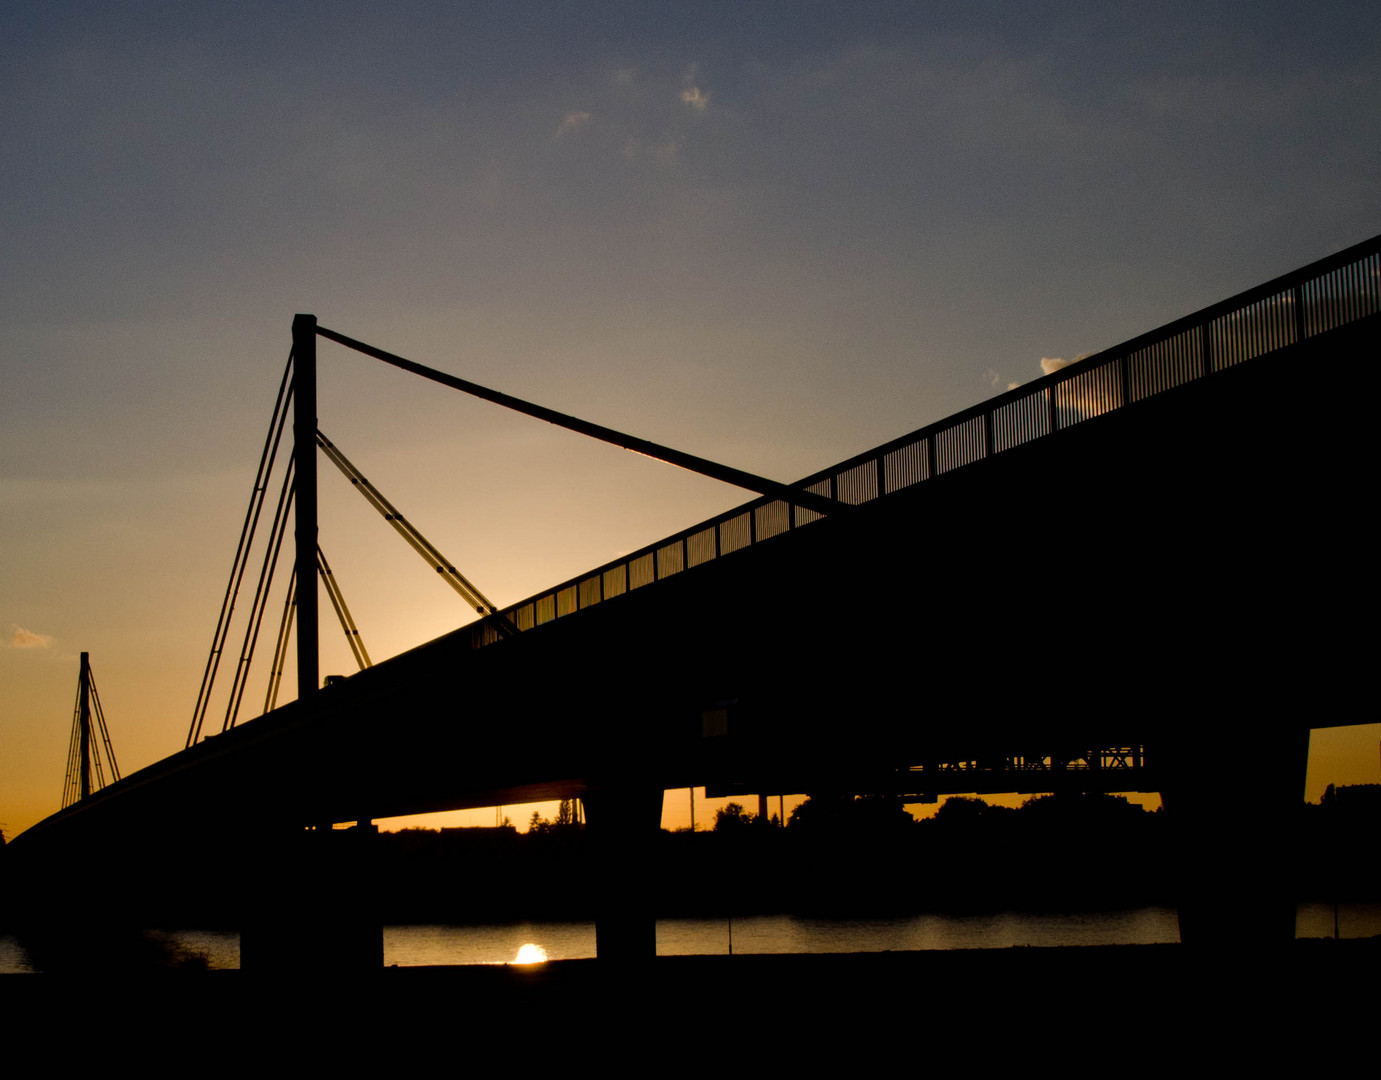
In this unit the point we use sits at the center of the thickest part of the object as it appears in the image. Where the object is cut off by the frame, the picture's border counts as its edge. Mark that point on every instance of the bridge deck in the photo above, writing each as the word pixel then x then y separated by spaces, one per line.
pixel 1191 501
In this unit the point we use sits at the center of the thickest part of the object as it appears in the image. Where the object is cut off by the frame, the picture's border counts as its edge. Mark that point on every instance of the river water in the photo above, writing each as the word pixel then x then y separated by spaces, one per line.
pixel 420 946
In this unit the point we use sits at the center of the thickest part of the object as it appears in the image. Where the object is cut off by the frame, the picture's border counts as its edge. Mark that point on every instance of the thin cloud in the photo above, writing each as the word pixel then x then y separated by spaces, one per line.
pixel 696 98
pixel 27 639
pixel 1054 363
pixel 572 122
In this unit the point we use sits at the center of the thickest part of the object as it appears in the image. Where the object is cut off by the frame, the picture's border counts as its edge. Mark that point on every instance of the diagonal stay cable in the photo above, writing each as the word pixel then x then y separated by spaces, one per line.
pixel 352 634
pixel 821 504
pixel 405 528
pixel 71 781
pixel 99 713
pixel 98 781
pixel 237 569
pixel 414 538
pixel 261 593
pixel 280 651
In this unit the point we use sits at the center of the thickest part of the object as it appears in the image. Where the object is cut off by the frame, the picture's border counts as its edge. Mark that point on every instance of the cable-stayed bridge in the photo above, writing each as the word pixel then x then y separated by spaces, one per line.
pixel 1194 501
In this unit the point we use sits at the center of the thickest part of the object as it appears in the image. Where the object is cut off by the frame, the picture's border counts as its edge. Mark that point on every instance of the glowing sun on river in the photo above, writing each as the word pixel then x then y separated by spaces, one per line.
pixel 531 954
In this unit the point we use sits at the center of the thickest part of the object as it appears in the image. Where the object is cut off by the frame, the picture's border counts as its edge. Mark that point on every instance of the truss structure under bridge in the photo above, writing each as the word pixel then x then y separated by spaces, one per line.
pixel 1116 768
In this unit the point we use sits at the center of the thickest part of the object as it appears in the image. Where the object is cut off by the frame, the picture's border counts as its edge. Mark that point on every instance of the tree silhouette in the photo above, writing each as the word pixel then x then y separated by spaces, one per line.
pixel 732 818
pixel 862 815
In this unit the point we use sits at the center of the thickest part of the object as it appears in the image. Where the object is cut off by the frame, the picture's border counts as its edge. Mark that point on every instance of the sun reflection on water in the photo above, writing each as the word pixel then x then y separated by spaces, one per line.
pixel 531 954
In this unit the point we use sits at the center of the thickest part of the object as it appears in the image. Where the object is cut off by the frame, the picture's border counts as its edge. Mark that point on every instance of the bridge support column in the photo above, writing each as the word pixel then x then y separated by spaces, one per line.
pixel 1237 843
pixel 304 503
pixel 316 904
pixel 623 822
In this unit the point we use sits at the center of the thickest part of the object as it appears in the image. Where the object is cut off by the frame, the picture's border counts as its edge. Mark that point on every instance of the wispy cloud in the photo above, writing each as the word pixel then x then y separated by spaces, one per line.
pixel 572 122
pixel 27 639
pixel 696 98
pixel 1054 363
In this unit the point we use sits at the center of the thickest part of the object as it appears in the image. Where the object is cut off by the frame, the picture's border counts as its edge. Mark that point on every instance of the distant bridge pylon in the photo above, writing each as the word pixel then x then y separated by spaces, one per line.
pixel 85 771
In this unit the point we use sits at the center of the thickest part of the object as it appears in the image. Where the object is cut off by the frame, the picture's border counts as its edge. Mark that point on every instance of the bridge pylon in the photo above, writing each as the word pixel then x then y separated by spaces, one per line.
pixel 305 503
pixel 85 771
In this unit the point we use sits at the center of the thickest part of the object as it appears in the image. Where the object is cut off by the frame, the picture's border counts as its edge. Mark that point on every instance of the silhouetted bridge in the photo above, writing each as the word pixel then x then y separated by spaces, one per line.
pixel 1137 573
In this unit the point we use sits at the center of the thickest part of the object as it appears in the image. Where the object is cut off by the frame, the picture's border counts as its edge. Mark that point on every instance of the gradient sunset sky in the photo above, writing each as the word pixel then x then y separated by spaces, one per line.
pixel 771 234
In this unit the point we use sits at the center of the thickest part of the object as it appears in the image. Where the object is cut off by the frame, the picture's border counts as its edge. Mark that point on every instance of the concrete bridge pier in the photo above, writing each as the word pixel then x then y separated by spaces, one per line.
pixel 315 907
pixel 623 821
pixel 1237 846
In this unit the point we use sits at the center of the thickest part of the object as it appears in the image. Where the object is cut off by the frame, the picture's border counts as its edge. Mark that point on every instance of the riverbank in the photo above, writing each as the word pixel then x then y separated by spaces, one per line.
pixel 1090 1000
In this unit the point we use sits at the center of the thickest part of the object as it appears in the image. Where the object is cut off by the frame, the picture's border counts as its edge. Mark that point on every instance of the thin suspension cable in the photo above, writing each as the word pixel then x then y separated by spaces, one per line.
pixel 266 461
pixel 237 569
pixel 99 777
pixel 280 652
pixel 414 538
pixel 739 478
pixel 352 635
pixel 105 733
pixel 71 781
pixel 405 528
pixel 256 611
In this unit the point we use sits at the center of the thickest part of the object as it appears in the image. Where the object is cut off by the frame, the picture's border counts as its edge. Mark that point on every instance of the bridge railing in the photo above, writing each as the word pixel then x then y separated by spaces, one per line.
pixel 1114 758
pixel 1322 296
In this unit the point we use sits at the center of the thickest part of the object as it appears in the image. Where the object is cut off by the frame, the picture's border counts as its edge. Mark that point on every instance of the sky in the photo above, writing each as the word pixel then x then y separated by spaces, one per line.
pixel 772 234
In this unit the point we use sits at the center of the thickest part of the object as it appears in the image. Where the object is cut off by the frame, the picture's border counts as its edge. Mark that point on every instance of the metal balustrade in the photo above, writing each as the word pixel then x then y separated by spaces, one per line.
pixel 1323 296
pixel 1115 758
